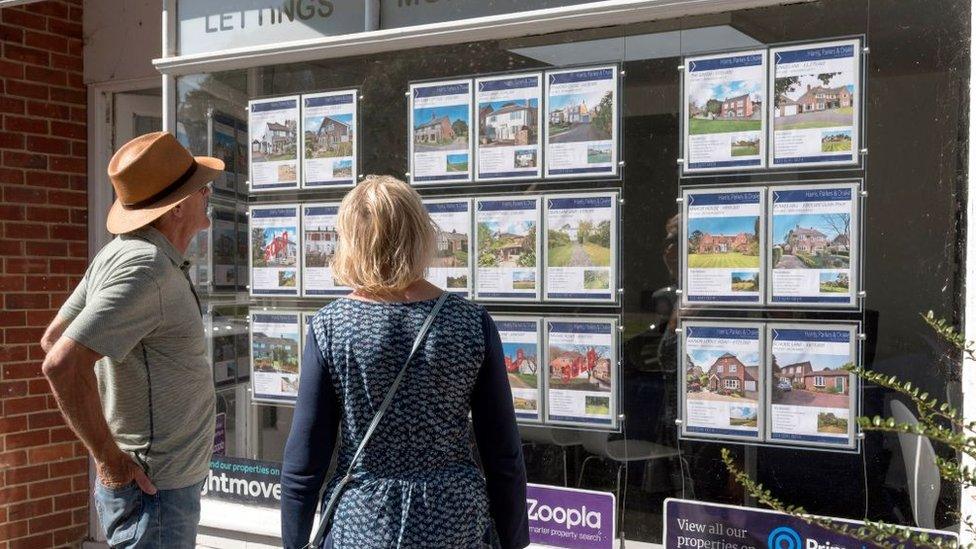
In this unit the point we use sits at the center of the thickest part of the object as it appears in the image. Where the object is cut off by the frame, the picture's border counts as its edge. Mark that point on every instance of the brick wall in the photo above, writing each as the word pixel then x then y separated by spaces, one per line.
pixel 43 246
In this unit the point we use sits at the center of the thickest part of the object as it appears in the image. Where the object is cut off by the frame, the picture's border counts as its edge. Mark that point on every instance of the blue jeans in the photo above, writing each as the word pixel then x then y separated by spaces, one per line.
pixel 133 518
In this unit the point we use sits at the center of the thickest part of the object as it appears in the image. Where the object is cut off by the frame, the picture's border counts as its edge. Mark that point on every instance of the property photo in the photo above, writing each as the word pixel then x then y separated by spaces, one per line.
pixel 722 376
pixel 275 354
pixel 579 117
pixel 597 405
pixel 723 242
pixel 598 154
pixel 812 241
pixel 580 242
pixel 508 123
pixel 507 244
pixel 745 281
pixel 329 136
pixel 275 141
pixel 225 148
pixel 342 168
pixel 440 128
pixel 274 247
pixel 457 162
pixel 320 245
pixel 745 145
pixel 523 280
pixel 733 106
pixel 803 379
pixel 580 367
pixel 835 282
pixel 457 282
pixel 526 158
pixel 807 101
pixel 743 416
pixel 287 279
pixel 450 249
pixel 596 279
pixel 521 363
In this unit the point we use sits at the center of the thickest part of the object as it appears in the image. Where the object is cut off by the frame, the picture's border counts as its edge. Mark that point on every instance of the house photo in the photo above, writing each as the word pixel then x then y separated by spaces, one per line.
pixel 807 379
pixel 723 242
pixel 730 106
pixel 508 123
pixel 275 354
pixel 581 367
pixel 451 249
pixel 807 101
pixel 320 245
pixel 579 117
pixel 277 141
pixel 811 241
pixel 506 244
pixel 440 128
pixel 722 377
pixel 329 136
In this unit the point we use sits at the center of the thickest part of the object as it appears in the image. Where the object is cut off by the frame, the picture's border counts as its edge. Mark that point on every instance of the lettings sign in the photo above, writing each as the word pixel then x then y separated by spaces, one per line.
pixel 207 26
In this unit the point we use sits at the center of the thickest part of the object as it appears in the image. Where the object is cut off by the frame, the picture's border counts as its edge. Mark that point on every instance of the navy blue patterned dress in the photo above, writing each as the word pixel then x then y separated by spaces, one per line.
pixel 417 483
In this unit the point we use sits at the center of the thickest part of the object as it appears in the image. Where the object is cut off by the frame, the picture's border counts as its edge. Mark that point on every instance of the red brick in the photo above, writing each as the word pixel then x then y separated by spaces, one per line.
pixel 67 62
pixel 23 335
pixel 41 317
pixel 25 125
pixel 48 76
pixel 21 18
pixel 24 230
pixel 69 129
pixel 70 232
pixel 50 249
pixel 51 522
pixel 32 542
pixel 15 265
pixel 78 249
pixel 10 389
pixel 31 56
pixel 11 283
pixel 74 535
pixel 68 198
pixel 78 216
pixel 62 434
pixel 80 149
pixel 27 509
pixel 10 140
pixel 38 386
pixel 11 248
pixel 79 114
pixel 54 452
pixel 25 475
pixel 68 95
pixel 22 195
pixel 13 459
pixel 26 89
pixel 12 530
pixel 50 487
pixel 10 33
pixel 28 301
pixel 45 41
pixel 48 179
pixel 68 164
pixel 11 212
pixel 45 284
pixel 49 110
pixel 52 9
pixel 69 467
pixel 16 159
pixel 13 353
pixel 68 265
pixel 26 404
pixel 11 176
pixel 75 80
pixel 64 28
pixel 10 104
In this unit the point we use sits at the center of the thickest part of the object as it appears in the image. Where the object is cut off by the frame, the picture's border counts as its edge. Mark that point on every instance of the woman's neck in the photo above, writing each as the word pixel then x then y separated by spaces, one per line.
pixel 419 290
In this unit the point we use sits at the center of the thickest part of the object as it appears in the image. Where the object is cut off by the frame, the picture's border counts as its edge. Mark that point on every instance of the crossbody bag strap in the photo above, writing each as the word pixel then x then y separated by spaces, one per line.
pixel 326 516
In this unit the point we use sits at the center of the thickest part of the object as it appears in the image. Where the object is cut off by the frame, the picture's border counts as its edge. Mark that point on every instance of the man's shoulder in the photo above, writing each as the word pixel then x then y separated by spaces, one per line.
pixel 130 252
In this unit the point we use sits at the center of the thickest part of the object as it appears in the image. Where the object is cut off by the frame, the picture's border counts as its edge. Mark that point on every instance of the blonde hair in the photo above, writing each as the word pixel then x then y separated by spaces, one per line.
pixel 386 236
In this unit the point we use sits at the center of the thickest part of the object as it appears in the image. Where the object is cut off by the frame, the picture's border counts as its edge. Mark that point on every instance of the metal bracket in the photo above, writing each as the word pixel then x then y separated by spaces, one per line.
pixel 862 336
pixel 679 200
pixel 680 68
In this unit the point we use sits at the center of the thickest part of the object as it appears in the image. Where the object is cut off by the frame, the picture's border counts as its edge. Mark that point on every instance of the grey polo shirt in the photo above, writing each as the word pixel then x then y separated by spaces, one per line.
pixel 137 308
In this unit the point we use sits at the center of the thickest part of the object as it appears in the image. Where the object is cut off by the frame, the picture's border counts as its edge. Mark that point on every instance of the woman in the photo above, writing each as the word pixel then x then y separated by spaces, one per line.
pixel 417 483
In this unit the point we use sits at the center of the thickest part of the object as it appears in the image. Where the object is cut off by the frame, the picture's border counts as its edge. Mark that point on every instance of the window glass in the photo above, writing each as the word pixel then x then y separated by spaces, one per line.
pixel 915 125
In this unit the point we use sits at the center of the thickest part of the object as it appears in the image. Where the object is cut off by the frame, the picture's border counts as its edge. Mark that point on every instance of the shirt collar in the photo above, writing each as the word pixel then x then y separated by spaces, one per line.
pixel 159 239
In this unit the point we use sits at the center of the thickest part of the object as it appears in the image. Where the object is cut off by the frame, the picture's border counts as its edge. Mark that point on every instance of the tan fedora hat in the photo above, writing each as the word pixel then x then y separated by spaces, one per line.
pixel 151 175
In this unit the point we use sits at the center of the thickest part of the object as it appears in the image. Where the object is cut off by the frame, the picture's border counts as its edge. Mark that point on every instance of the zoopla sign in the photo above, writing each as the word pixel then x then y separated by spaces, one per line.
pixel 571 518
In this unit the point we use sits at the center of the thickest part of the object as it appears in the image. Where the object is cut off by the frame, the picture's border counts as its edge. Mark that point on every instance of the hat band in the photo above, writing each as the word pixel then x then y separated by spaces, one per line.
pixel 165 191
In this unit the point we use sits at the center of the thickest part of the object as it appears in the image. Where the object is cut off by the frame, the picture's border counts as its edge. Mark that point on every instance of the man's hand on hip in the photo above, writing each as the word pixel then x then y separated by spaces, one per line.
pixel 120 470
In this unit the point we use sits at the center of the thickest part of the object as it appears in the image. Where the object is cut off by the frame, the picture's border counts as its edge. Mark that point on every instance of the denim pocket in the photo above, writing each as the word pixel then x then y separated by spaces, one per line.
pixel 119 510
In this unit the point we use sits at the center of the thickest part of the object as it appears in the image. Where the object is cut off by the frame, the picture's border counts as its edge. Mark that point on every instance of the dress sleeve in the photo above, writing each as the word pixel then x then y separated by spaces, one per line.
pixel 499 444
pixel 308 451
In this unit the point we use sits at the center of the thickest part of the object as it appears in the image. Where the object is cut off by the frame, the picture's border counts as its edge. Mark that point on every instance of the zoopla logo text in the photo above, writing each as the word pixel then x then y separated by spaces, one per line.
pixel 568 518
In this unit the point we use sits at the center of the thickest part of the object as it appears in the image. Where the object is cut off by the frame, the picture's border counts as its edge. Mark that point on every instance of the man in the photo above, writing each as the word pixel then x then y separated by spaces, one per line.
pixel 126 354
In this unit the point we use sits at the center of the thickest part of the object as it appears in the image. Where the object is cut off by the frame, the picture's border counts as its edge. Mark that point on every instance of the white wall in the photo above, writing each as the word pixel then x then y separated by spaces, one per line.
pixel 122 37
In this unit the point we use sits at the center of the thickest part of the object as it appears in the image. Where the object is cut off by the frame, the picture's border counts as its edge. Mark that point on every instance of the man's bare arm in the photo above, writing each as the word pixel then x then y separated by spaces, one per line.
pixel 53 333
pixel 69 368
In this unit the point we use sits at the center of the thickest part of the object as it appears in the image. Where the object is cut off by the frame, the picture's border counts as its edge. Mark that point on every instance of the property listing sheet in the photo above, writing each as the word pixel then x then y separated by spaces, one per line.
pixel 451 267
pixel 722 382
pixel 273 125
pixel 521 338
pixel 725 118
pixel 329 139
pixel 815 104
pixel 509 127
pixel 223 228
pixel 243 267
pixel 810 393
pixel 581 247
pixel 722 246
pixel 319 241
pixel 440 132
pixel 508 245
pixel 581 358
pixel 223 145
pixel 275 355
pixel 814 245
pixel 273 246
pixel 581 122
